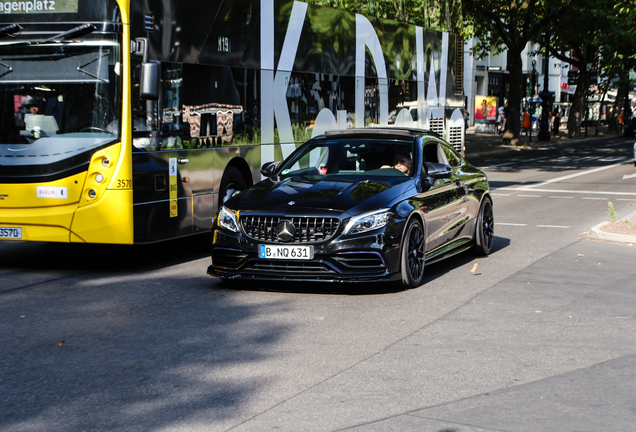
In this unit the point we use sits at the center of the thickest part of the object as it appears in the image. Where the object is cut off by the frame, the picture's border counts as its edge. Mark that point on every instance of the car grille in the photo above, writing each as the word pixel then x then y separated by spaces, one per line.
pixel 290 267
pixel 308 229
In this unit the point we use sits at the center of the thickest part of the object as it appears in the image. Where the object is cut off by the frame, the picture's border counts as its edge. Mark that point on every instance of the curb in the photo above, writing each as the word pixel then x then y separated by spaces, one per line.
pixel 598 234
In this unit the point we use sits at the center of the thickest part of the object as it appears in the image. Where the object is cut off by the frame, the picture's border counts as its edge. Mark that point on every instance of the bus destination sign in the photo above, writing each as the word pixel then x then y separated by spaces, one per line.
pixel 38 6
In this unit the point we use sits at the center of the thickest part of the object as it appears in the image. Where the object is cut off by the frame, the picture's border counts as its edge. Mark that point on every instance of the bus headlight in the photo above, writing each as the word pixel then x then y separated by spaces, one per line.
pixel 92 194
pixel 99 177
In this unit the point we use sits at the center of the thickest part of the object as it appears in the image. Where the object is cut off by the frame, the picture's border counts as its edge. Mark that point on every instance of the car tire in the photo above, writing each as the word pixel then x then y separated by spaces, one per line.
pixel 412 256
pixel 231 183
pixel 484 229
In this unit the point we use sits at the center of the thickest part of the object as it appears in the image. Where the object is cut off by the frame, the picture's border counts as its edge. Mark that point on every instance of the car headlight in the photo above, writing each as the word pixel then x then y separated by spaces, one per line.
pixel 228 219
pixel 368 222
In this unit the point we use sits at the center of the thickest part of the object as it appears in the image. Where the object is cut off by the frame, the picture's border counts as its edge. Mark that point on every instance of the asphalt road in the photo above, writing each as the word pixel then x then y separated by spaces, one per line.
pixel 540 336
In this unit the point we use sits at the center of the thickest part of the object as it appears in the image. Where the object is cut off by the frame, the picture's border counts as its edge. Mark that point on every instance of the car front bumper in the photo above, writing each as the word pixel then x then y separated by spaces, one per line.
pixel 373 257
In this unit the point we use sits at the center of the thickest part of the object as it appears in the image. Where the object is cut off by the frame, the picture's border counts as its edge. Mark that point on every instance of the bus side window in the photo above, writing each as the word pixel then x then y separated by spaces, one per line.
pixel 170 104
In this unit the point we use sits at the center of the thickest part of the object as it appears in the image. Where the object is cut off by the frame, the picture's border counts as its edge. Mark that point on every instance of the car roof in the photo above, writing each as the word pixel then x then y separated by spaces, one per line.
pixel 376 131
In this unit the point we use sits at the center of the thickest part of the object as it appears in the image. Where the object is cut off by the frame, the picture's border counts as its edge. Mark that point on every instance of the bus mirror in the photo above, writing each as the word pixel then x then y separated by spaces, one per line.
pixel 149 89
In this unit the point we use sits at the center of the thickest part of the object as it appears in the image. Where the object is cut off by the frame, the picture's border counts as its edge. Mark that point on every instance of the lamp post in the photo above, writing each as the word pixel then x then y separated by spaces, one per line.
pixel 546 105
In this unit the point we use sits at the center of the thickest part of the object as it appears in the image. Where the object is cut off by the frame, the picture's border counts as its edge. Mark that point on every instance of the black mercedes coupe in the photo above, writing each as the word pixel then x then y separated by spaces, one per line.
pixel 357 205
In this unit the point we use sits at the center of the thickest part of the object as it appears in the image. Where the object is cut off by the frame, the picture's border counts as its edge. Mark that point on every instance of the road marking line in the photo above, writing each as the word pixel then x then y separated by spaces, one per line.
pixel 510 224
pixel 530 196
pixel 496 194
pixel 525 189
pixel 567 177
pixel 561 197
pixel 499 165
pixel 553 226
pixel 594 198
pixel 514 162
pixel 625 177
pixel 624 199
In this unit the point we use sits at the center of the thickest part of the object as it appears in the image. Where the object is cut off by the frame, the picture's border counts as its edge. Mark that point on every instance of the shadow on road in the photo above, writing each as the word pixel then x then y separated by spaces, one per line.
pixel 98 257
pixel 130 353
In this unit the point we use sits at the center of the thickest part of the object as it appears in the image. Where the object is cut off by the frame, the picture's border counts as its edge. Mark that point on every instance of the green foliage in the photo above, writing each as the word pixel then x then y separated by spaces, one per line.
pixel 612 212
pixel 301 132
pixel 443 15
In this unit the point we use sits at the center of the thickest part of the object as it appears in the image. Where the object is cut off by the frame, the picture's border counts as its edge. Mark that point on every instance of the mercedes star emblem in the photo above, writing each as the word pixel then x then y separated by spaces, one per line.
pixel 285 231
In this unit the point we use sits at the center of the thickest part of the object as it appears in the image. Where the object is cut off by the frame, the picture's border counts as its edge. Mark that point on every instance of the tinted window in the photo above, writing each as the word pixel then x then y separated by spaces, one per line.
pixel 453 158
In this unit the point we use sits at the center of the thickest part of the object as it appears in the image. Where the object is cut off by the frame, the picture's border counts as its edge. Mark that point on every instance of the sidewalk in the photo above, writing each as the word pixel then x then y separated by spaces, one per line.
pixel 480 145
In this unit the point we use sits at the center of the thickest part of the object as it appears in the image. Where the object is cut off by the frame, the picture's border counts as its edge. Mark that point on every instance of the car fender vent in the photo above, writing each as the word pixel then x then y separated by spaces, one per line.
pixel 229 258
pixel 370 261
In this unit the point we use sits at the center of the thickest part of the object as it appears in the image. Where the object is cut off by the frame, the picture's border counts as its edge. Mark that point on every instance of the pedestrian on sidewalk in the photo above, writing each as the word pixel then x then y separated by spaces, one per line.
pixel 500 119
pixel 526 121
pixel 557 121
pixel 506 112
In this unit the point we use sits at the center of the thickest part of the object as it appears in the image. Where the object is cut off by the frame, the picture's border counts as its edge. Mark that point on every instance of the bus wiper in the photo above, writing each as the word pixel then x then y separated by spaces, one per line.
pixel 10 29
pixel 8 67
pixel 81 69
pixel 80 30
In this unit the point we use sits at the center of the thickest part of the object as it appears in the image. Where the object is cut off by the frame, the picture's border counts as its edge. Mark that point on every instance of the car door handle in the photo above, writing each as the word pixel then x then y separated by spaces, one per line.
pixel 182 161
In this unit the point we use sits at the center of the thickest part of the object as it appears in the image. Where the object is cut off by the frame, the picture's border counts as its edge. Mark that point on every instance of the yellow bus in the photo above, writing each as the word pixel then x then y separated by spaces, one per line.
pixel 128 121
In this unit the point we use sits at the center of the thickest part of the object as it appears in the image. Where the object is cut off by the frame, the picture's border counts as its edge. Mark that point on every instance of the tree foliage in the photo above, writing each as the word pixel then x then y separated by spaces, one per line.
pixel 510 24
pixel 445 15
pixel 596 37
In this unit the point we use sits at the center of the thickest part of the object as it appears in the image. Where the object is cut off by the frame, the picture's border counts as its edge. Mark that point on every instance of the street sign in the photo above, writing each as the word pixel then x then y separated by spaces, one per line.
pixel 573 77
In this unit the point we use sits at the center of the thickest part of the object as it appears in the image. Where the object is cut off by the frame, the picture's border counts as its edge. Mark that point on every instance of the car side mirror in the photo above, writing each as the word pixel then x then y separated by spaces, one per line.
pixel 438 170
pixel 268 169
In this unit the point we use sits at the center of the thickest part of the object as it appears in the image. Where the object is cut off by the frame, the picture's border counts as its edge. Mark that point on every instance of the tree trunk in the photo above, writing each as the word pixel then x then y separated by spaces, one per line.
pixel 619 103
pixel 511 134
pixel 577 110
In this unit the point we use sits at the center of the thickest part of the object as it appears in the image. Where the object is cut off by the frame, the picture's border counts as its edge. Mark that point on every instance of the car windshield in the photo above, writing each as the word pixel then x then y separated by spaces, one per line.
pixel 350 156
pixel 58 99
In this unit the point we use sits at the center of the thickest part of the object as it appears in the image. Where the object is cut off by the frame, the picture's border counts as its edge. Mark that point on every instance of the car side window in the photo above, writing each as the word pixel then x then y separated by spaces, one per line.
pixel 431 153
pixel 453 158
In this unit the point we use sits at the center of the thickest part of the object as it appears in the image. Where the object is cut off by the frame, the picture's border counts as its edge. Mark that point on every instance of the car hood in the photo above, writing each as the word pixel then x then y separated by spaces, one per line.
pixel 336 193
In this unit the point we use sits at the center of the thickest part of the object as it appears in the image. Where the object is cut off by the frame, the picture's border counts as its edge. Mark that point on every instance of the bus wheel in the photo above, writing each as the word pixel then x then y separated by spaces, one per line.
pixel 231 183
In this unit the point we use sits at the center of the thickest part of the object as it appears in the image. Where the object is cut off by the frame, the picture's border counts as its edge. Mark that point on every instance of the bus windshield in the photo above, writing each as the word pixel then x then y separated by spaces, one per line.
pixel 58 100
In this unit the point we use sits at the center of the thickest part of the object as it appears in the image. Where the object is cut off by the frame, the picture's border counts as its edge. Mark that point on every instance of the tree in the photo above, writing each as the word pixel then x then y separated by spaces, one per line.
pixel 511 24
pixel 575 40
pixel 618 56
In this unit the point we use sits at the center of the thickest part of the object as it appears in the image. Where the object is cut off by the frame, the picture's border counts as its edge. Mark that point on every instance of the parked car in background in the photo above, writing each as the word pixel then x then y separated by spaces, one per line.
pixel 345 207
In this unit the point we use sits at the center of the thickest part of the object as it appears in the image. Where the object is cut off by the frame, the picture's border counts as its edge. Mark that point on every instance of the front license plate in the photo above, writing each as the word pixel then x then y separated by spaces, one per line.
pixel 10 233
pixel 286 252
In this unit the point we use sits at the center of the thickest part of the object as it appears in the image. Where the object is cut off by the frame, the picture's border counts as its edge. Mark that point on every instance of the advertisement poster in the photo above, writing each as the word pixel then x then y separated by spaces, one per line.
pixel 485 109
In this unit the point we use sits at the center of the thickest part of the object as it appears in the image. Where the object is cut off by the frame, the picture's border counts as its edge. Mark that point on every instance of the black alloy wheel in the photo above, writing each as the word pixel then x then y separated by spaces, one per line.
pixel 231 183
pixel 485 229
pixel 413 256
